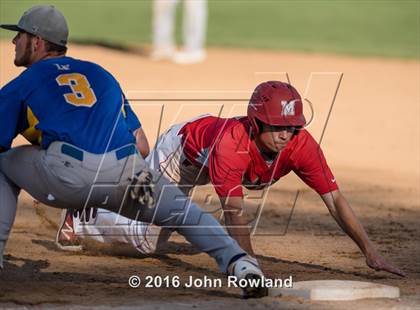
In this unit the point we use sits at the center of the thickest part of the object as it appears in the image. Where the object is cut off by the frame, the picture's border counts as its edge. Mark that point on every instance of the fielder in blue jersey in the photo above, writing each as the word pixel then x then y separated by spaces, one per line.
pixel 68 100
pixel 83 148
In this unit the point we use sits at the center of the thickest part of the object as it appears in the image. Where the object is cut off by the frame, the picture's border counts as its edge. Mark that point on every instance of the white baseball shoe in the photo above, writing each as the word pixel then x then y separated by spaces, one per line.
pixel 189 57
pixel 66 238
pixel 159 54
pixel 247 268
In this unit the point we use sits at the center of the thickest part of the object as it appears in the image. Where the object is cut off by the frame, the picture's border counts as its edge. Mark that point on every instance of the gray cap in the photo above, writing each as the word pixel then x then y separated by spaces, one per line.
pixel 44 21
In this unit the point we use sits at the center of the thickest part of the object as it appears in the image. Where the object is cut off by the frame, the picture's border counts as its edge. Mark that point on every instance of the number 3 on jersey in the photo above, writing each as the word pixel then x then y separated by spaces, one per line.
pixel 82 94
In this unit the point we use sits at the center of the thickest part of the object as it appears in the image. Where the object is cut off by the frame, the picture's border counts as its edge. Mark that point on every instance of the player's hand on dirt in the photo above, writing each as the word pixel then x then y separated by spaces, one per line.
pixel 378 263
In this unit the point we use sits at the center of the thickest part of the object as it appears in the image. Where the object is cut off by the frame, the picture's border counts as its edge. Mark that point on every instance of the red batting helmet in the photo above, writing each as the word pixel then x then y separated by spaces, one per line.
pixel 275 103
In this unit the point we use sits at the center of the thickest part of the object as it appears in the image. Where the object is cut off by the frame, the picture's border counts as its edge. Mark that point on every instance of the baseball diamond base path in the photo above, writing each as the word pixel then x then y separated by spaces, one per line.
pixel 372 145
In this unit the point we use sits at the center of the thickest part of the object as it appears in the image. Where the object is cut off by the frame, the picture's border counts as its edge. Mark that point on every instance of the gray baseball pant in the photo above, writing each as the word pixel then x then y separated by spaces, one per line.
pixel 64 176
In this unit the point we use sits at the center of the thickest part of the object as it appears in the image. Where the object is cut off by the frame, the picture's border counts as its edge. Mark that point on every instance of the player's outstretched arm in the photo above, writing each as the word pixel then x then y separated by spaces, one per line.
pixel 236 222
pixel 345 217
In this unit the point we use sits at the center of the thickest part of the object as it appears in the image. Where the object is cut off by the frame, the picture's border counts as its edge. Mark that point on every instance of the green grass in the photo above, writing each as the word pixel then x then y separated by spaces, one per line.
pixel 114 21
pixel 376 27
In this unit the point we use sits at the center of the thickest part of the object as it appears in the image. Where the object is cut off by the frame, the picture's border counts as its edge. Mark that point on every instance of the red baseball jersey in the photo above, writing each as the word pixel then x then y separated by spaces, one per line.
pixel 229 153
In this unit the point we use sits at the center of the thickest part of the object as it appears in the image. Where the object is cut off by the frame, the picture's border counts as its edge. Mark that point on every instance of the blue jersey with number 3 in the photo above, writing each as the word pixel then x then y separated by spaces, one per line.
pixel 69 100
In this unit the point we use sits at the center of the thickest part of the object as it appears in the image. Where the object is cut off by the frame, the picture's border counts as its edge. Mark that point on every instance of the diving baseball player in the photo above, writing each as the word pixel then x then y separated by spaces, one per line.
pixel 255 152
pixel 64 107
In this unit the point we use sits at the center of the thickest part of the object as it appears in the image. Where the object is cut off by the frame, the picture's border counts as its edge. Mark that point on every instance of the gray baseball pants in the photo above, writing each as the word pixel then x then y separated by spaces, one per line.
pixel 64 176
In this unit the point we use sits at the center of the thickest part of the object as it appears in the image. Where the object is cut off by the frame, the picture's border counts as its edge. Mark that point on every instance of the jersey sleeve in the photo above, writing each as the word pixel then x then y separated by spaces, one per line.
pixel 11 111
pixel 227 164
pixel 131 119
pixel 312 168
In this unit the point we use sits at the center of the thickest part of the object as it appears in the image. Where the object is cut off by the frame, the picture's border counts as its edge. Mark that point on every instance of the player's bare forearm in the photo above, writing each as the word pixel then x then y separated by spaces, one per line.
pixel 346 218
pixel 237 229
pixel 236 223
pixel 142 143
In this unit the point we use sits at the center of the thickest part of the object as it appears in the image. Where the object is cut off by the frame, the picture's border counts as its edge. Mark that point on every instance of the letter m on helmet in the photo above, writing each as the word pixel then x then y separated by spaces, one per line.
pixel 288 107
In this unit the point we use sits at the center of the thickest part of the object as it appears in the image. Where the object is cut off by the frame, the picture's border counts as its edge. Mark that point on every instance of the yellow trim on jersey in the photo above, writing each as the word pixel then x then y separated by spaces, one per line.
pixel 123 108
pixel 32 134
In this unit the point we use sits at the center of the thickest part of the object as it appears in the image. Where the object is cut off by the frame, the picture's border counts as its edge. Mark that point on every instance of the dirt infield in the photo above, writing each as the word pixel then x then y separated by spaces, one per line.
pixel 371 142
